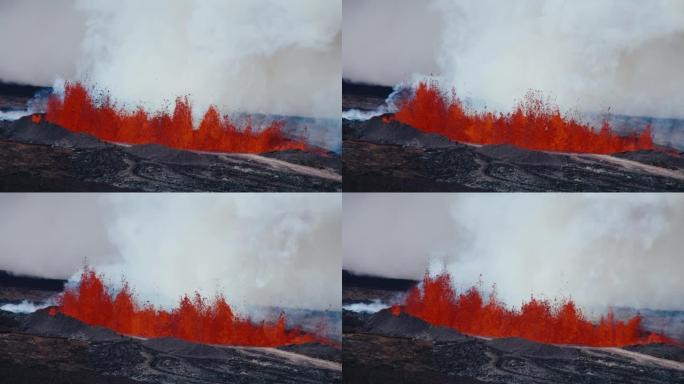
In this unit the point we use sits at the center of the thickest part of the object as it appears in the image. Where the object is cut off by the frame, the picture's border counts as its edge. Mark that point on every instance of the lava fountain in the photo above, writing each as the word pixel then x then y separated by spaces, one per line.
pixel 437 303
pixel 535 124
pixel 78 111
pixel 196 319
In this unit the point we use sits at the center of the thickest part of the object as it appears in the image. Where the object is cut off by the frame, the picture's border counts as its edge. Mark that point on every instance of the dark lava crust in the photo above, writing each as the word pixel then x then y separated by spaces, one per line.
pixel 395 157
pixel 383 348
pixel 46 157
pixel 39 348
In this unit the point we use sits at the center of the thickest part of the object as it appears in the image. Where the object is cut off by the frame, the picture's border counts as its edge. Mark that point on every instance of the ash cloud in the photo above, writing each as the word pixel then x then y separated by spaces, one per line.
pixel 589 56
pixel 257 249
pixel 601 250
pixel 267 56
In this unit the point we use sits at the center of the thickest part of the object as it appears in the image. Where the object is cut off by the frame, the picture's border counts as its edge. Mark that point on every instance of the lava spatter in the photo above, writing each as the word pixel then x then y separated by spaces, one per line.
pixel 436 302
pixel 534 124
pixel 195 319
pixel 78 111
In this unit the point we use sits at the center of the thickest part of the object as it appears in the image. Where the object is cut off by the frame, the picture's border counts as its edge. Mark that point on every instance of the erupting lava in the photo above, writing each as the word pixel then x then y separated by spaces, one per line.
pixel 534 124
pixel 78 112
pixel 538 320
pixel 196 319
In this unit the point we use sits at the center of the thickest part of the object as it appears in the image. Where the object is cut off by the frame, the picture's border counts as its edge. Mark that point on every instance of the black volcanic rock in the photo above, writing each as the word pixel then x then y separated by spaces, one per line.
pixel 655 158
pixel 350 279
pixel 25 131
pixel 385 349
pixel 381 157
pixel 524 347
pixel 663 351
pixel 45 157
pixel 316 350
pixel 59 325
pixel 394 133
pixel 403 325
pixel 328 160
pixel 40 348
pixel 506 152
pixel 353 321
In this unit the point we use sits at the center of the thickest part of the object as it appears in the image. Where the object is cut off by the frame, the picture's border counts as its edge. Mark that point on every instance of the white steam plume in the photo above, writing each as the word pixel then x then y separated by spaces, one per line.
pixel 601 250
pixel 625 55
pixel 257 249
pixel 268 56
pixel 254 56
pixel 587 55
pixel 260 249
pixel 24 307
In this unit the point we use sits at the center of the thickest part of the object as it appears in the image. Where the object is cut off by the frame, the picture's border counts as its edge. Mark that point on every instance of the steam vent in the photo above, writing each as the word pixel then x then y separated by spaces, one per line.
pixel 341 191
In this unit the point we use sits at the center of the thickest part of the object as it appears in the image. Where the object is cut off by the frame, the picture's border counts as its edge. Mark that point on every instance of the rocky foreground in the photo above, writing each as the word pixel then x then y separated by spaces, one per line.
pixel 40 348
pixel 392 156
pixel 46 157
pixel 383 348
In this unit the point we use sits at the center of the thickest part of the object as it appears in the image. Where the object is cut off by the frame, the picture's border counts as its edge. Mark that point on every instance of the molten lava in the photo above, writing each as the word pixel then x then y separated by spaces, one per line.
pixel 197 319
pixel 78 112
pixel 438 304
pixel 534 124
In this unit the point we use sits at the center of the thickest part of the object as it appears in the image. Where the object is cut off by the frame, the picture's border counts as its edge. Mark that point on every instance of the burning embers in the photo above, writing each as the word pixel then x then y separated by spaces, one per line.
pixel 538 320
pixel 78 112
pixel 197 319
pixel 534 124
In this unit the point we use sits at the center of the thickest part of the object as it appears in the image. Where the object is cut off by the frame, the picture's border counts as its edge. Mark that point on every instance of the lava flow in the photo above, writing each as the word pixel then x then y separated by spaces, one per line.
pixel 77 111
pixel 537 320
pixel 534 124
pixel 197 319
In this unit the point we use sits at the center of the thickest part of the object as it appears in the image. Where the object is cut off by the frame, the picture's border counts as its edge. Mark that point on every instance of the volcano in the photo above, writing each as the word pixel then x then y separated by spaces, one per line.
pixel 49 345
pixel 535 124
pixel 197 319
pixel 539 320
pixel 419 340
pixel 81 144
pixel 430 142
pixel 78 111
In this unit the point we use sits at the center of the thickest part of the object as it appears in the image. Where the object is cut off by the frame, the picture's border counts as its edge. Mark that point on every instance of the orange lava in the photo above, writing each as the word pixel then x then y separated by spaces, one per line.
pixel 78 112
pixel 195 319
pixel 538 320
pixel 534 124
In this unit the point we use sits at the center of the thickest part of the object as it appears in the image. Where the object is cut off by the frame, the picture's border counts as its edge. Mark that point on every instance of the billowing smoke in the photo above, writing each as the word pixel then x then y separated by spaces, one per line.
pixel 256 249
pixel 372 307
pixel 621 55
pixel 24 307
pixel 619 250
pixel 265 56
pixel 618 54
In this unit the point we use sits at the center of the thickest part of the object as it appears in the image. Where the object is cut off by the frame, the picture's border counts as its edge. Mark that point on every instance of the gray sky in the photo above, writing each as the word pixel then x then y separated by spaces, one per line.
pixel 600 249
pixel 258 249
pixel 387 41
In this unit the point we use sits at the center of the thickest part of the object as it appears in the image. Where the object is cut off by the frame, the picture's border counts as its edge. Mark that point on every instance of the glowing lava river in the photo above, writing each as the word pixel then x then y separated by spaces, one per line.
pixel 534 124
pixel 78 111
pixel 436 302
pixel 197 319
